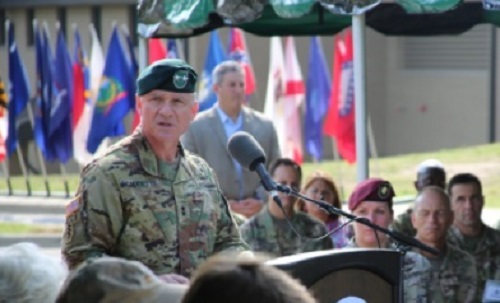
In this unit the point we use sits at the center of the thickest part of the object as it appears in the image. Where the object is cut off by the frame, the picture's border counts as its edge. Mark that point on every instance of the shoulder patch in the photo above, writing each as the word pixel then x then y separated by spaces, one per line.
pixel 72 207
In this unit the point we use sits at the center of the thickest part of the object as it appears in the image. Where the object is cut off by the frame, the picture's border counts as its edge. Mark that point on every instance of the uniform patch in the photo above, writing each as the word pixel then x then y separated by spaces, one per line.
pixel 72 207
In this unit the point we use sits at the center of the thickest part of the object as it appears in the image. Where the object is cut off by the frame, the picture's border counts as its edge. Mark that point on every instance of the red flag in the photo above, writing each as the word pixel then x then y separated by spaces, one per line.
pixel 339 122
pixel 156 50
pixel 238 52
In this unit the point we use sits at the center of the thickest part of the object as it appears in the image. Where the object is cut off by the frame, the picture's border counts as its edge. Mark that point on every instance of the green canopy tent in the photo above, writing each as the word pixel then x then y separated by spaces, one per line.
pixel 171 19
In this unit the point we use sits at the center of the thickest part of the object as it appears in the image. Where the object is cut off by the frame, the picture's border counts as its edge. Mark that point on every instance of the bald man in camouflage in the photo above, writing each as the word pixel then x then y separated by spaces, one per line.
pixel 148 199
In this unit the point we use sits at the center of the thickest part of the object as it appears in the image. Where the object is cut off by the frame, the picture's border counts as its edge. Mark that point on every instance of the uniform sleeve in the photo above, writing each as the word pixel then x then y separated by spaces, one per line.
pixel 93 218
pixel 188 141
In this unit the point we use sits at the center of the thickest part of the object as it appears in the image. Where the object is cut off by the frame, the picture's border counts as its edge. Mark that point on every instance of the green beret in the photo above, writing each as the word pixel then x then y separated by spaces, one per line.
pixel 173 75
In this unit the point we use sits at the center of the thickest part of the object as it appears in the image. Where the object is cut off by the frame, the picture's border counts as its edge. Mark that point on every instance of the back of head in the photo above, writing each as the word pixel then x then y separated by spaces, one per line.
pixel 430 172
pixel 109 279
pixel 28 275
pixel 229 280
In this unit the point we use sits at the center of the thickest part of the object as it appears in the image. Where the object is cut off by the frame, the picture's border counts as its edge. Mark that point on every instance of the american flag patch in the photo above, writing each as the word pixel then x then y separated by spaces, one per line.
pixel 72 207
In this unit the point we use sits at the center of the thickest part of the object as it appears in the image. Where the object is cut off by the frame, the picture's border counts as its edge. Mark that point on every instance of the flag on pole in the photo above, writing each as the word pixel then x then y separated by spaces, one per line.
pixel 4 121
pixel 215 55
pixel 294 98
pixel 275 95
pixel 60 130
pixel 172 49
pixel 238 52
pixel 44 92
pixel 317 97
pixel 339 121
pixel 81 101
pixel 19 91
pixel 112 101
pixel 156 50
pixel 133 71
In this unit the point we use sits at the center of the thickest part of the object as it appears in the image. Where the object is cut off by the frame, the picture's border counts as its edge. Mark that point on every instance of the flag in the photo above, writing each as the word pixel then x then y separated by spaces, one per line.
pixel 215 55
pixel 19 91
pixel 4 121
pixel 294 97
pixel 156 50
pixel 112 101
pixel 317 97
pixel 133 70
pixel 172 49
pixel 81 101
pixel 238 52
pixel 275 95
pixel 43 92
pixel 339 121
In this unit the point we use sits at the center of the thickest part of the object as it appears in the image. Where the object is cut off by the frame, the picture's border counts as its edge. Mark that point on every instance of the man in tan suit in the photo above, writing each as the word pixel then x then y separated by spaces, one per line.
pixel 208 134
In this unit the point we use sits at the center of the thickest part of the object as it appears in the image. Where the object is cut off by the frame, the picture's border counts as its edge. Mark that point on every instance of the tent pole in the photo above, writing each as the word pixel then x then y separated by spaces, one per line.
pixel 358 33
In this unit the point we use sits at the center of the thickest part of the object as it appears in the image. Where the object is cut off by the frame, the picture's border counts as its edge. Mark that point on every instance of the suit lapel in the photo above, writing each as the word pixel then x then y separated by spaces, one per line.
pixel 248 124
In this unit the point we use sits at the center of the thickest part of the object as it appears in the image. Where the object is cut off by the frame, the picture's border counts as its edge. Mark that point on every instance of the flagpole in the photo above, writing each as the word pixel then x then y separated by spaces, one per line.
pixel 23 168
pixel 358 32
pixel 7 175
pixel 336 158
pixel 373 146
pixel 65 179
pixel 39 151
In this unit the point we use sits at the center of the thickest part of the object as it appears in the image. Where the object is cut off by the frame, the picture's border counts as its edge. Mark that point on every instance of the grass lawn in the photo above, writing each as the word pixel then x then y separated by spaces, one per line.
pixel 18 228
pixel 483 160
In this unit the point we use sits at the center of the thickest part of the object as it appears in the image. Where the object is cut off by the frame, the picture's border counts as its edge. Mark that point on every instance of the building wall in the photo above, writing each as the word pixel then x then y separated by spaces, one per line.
pixel 410 110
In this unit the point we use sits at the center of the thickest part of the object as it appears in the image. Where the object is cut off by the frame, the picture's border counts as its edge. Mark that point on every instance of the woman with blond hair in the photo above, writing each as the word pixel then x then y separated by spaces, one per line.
pixel 320 186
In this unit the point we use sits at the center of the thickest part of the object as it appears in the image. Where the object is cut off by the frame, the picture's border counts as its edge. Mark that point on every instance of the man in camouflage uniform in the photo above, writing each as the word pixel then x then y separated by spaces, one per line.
pixel 468 231
pixel 269 231
pixel 148 199
pixel 429 173
pixel 454 269
pixel 373 199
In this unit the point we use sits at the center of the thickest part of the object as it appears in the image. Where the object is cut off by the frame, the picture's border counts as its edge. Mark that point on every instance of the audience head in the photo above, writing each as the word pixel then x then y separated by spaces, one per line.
pixel 319 186
pixel 372 199
pixel 109 279
pixel 28 275
pixel 430 173
pixel 467 201
pixel 285 172
pixel 432 215
pixel 229 85
pixel 243 280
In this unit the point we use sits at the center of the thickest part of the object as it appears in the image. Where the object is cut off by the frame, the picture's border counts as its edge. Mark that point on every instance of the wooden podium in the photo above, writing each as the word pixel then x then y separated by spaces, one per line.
pixel 373 275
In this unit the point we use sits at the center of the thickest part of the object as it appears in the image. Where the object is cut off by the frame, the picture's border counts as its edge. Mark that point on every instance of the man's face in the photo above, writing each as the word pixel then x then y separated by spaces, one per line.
pixel 432 176
pixel 432 217
pixel 467 203
pixel 286 175
pixel 166 115
pixel 231 91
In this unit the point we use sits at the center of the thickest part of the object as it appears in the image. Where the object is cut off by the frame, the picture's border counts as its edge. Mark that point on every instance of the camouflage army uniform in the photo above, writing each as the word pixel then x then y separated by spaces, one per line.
pixel 403 223
pixel 130 204
pixel 457 278
pixel 262 234
pixel 418 282
pixel 486 253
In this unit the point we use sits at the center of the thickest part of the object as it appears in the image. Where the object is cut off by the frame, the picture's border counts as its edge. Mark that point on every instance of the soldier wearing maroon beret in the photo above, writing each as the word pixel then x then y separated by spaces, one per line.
pixel 372 199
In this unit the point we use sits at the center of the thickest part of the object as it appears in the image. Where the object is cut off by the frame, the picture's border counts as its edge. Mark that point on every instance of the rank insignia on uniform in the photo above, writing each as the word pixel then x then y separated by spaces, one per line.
pixel 72 207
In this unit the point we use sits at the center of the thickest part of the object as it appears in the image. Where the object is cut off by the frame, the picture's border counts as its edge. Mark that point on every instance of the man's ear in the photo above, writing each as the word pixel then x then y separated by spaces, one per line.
pixel 195 108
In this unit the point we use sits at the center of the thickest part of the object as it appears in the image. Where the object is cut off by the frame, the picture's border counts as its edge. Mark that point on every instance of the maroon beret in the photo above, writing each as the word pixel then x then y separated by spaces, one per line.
pixel 372 189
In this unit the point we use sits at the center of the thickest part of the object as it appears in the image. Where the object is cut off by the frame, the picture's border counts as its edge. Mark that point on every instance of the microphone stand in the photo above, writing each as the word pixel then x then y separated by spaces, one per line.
pixel 403 242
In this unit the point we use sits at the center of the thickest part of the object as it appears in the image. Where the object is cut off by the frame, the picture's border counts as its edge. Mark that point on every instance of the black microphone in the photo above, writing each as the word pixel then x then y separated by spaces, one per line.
pixel 247 151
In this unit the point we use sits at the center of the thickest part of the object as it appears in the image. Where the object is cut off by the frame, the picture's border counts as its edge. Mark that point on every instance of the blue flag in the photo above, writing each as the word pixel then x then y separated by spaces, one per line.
pixel 172 51
pixel 113 98
pixel 19 90
pixel 133 67
pixel 215 56
pixel 43 95
pixel 60 127
pixel 317 98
